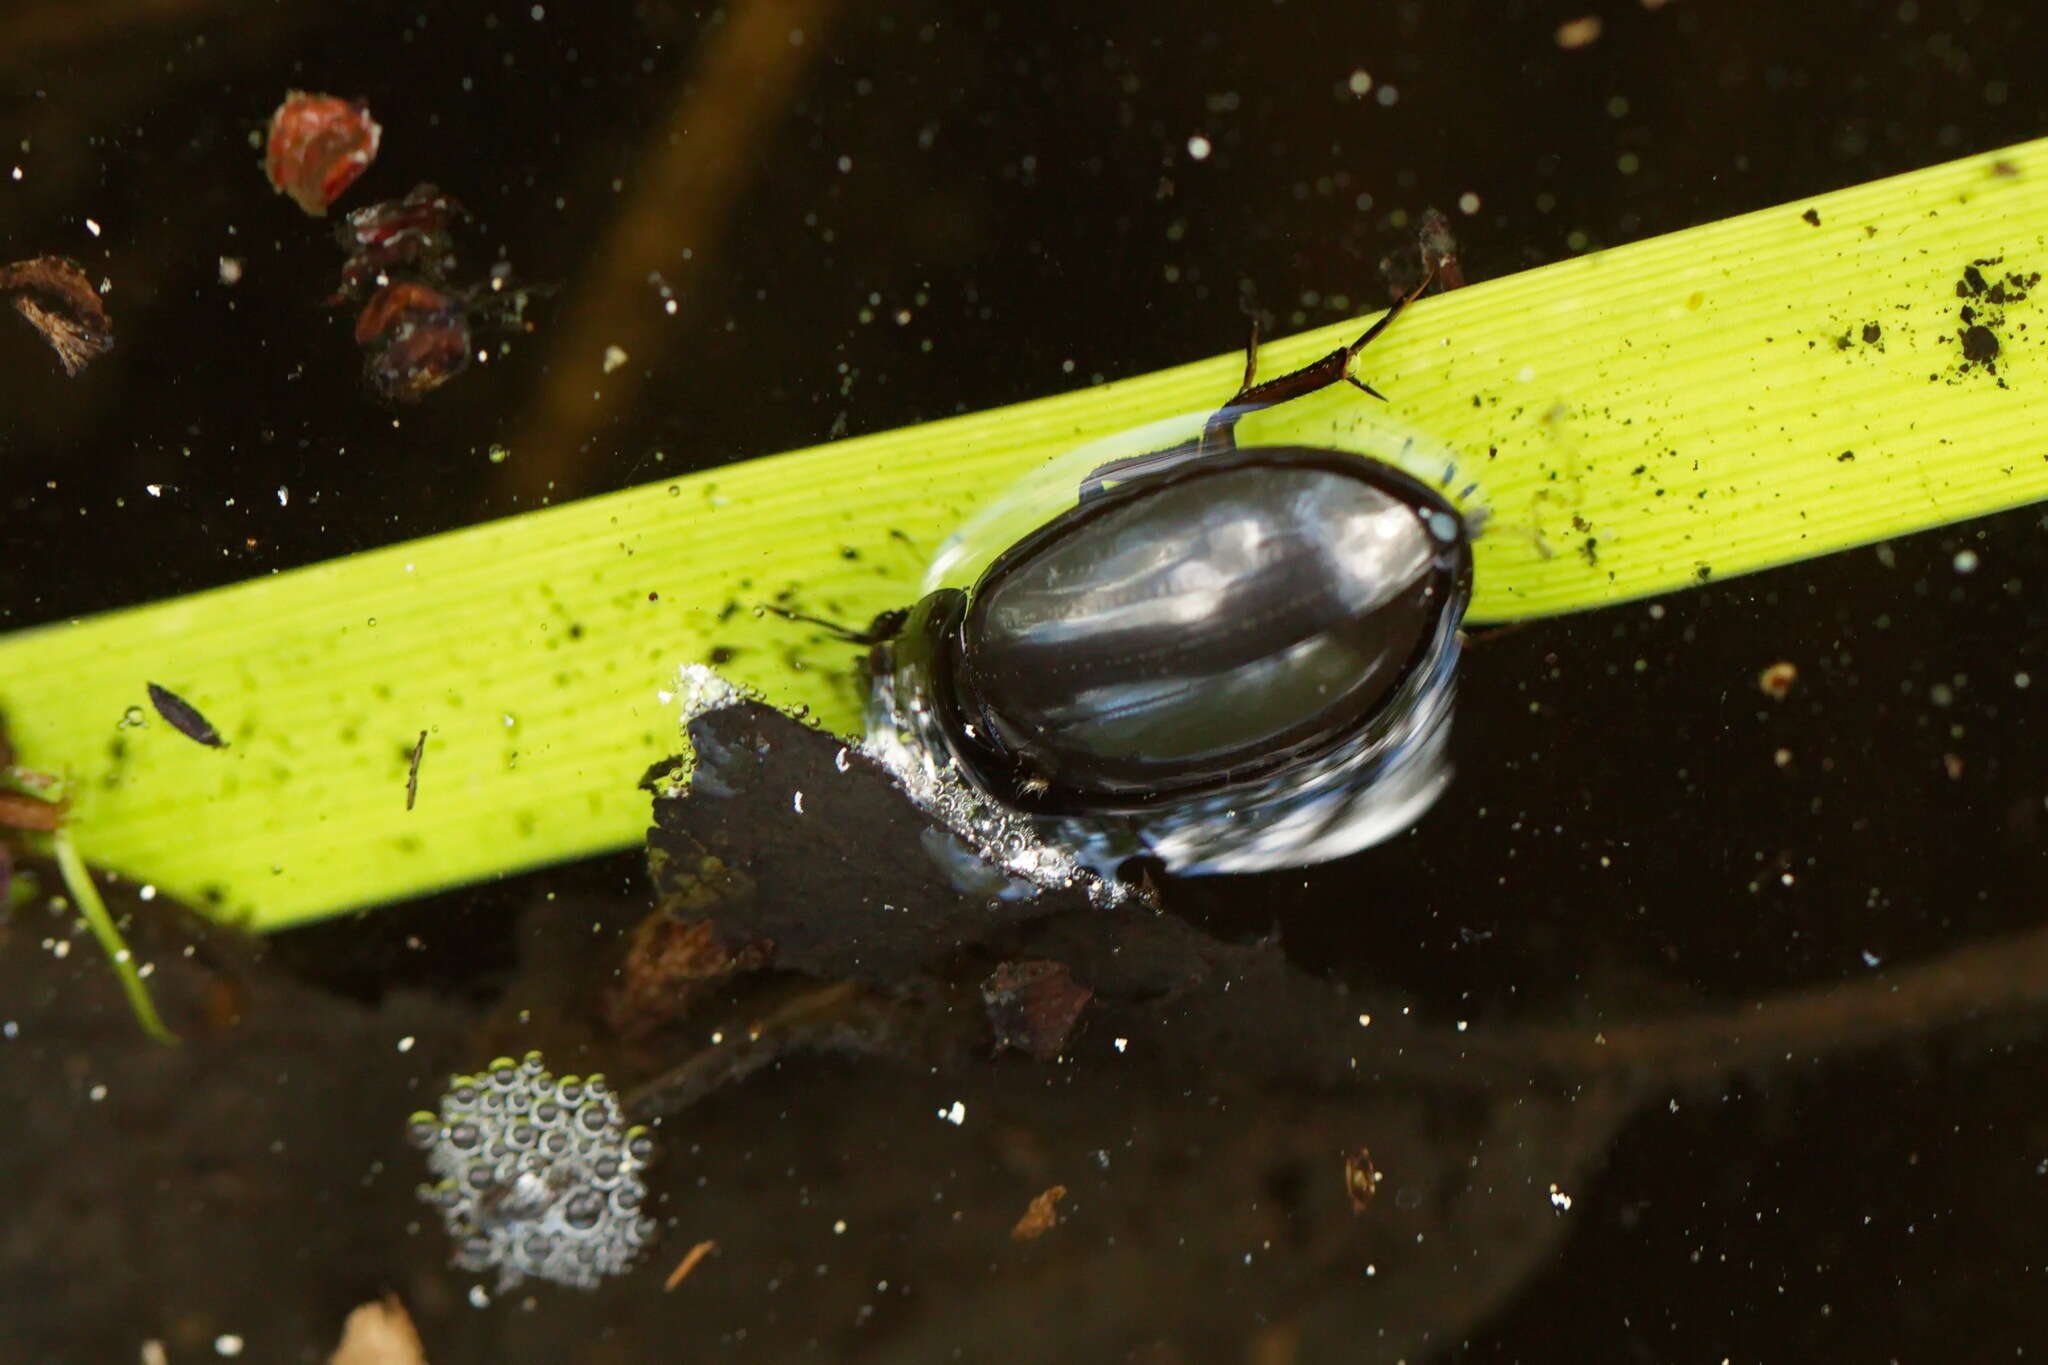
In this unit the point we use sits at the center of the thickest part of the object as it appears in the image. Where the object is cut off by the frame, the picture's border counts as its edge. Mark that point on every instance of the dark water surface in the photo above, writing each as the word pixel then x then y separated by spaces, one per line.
pixel 1637 834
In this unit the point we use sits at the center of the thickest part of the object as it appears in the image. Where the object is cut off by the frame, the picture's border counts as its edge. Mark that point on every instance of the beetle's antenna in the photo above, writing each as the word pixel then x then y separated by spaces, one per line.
pixel 883 627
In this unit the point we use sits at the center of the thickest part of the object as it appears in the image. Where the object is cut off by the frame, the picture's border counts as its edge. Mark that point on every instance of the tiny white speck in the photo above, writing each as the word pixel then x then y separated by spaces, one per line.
pixel 845 164
pixel 799 803
pixel 155 490
pixel 96 1094
pixel 839 1227
pixel 539 12
pixel 147 891
pixel 17 172
pixel 509 722
pixel 614 356
pixel 227 1344
pixel 1461 1026
pixel 1371 1271
pixel 1559 1200
pixel 92 227
pixel 10 1030
pixel 1525 374
pixel 1966 561
pixel 1122 1043
pixel 1365 1021
pixel 405 1043
pixel 717 1037
pixel 284 496
pixel 153 1353
pixel 1360 82
pixel 1199 147
pixel 956 1116
pixel 230 270
pixel 1468 203
pixel 1870 959
pixel 479 1297
pixel 839 759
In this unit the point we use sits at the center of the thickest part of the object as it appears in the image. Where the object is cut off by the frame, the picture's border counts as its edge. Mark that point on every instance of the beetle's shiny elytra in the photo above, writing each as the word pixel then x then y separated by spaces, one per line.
pixel 1187 633
pixel 1229 657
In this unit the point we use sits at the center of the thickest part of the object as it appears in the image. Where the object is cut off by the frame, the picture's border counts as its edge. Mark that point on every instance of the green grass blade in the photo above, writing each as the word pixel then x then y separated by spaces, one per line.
pixel 1699 404
pixel 85 895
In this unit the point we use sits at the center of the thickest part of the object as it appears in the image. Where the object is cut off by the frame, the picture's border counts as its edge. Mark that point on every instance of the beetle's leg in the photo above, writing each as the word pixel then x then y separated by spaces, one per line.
pixel 1129 467
pixel 1317 374
pixel 1218 433
pixel 1251 358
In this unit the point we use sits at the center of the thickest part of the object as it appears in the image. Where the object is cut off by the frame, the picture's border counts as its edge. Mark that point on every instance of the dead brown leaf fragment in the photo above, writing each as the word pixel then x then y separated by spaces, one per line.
pixel 1361 1178
pixel 1577 33
pixel 54 295
pixel 689 1263
pixel 1032 1006
pixel 379 1333
pixel 1040 1217
pixel 667 961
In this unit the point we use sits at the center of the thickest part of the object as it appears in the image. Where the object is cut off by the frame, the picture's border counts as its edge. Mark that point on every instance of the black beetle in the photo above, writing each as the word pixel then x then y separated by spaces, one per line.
pixel 1227 657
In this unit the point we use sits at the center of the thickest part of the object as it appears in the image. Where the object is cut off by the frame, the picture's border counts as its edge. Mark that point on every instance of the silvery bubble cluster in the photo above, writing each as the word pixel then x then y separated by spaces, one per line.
pixel 984 846
pixel 536 1176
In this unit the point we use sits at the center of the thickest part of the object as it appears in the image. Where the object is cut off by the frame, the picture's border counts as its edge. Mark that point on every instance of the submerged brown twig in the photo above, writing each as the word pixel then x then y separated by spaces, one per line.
pixel 700 159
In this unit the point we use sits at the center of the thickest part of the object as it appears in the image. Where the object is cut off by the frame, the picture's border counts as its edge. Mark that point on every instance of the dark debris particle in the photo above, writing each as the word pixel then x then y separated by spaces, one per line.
pixel 720 655
pixel 1872 333
pixel 1812 217
pixel 1846 457
pixel 1704 572
pixel 1980 344
pixel 184 717
pixel 1971 284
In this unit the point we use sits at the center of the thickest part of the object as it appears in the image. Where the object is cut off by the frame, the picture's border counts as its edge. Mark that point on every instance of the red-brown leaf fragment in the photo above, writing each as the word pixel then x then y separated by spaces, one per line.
pixel 318 146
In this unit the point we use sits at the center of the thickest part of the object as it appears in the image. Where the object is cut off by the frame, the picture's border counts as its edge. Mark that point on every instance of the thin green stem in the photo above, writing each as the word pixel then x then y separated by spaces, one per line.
pixel 86 895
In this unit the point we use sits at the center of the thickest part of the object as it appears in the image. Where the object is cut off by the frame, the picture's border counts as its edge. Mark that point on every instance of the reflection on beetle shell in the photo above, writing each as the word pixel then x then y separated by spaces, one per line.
pixel 1230 661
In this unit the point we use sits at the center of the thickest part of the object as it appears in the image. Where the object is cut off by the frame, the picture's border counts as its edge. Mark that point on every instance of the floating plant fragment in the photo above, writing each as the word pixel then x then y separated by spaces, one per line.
pixel 54 295
pixel 415 338
pixel 536 1176
pixel 411 234
pixel 318 146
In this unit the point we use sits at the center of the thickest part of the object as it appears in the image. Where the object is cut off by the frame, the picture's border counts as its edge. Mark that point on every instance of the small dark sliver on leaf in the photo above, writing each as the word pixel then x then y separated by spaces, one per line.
pixel 184 717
